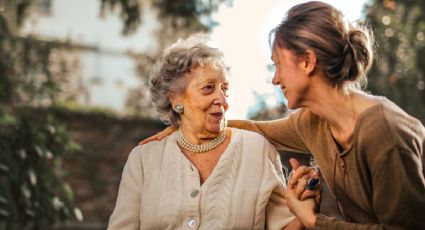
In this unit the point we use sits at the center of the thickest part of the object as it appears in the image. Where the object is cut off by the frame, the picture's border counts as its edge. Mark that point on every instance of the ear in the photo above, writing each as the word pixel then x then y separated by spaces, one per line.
pixel 310 62
pixel 174 98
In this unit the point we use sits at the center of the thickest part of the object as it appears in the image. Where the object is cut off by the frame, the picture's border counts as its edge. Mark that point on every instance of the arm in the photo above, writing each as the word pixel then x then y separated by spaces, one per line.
pixel 126 214
pixel 282 133
pixel 277 213
pixel 399 189
pixel 299 199
pixel 305 212
pixel 398 195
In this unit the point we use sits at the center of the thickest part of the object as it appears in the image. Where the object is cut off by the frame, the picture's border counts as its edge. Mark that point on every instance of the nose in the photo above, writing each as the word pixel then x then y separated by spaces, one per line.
pixel 275 80
pixel 221 98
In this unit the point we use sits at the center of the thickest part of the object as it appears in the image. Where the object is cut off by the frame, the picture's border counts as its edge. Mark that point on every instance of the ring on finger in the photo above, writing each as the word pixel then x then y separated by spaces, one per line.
pixel 312 183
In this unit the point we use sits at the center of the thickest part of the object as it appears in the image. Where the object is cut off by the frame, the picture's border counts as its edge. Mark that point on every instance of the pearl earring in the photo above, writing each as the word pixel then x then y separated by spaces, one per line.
pixel 178 108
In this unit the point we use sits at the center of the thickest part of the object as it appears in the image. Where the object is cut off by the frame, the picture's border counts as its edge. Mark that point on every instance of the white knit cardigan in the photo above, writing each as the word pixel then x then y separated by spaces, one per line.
pixel 160 188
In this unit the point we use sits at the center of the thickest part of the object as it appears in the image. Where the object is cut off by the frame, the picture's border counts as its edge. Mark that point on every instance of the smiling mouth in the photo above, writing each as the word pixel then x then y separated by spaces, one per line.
pixel 217 115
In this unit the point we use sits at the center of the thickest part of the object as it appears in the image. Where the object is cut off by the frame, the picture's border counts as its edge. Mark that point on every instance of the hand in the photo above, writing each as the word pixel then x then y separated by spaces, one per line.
pixel 301 201
pixel 295 224
pixel 303 210
pixel 157 137
pixel 300 175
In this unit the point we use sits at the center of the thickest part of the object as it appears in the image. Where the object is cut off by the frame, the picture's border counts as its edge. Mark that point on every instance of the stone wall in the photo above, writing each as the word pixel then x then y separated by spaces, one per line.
pixel 95 171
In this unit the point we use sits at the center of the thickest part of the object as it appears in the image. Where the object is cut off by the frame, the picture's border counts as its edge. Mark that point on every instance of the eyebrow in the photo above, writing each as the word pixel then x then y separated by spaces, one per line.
pixel 210 80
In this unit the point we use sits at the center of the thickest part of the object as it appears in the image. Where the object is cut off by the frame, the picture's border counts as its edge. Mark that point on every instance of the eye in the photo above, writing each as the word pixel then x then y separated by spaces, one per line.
pixel 208 88
pixel 225 89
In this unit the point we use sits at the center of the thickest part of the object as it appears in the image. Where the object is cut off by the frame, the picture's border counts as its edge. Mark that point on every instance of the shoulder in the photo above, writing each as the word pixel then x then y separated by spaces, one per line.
pixel 150 151
pixel 152 146
pixel 388 126
pixel 254 142
pixel 405 130
pixel 399 121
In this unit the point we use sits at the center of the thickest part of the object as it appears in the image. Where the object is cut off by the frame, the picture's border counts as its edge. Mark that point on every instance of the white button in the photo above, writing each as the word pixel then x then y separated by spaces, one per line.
pixel 192 222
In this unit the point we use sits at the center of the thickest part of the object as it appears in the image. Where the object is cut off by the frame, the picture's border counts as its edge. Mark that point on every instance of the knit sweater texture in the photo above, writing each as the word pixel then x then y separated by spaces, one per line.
pixel 160 188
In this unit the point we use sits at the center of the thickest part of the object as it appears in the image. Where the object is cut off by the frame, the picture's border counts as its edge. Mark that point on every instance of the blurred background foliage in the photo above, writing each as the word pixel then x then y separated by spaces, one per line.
pixel 32 193
pixel 399 69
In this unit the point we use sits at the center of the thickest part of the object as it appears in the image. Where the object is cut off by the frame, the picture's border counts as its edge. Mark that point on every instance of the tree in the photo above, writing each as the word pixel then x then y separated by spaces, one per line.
pixel 32 192
pixel 188 14
pixel 261 111
pixel 398 71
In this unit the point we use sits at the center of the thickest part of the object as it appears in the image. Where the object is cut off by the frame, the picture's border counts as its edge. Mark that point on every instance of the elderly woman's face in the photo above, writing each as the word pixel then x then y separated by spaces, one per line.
pixel 205 100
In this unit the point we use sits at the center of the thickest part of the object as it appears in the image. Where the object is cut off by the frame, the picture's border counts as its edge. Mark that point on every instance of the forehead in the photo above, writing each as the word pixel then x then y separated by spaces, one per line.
pixel 275 46
pixel 208 72
pixel 276 51
pixel 282 54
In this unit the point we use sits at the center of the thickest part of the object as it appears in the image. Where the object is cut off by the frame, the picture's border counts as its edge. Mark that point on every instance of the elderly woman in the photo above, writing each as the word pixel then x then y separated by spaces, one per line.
pixel 204 175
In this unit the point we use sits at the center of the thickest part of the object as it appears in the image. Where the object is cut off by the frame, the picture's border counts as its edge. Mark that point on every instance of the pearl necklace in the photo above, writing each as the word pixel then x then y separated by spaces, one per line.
pixel 199 148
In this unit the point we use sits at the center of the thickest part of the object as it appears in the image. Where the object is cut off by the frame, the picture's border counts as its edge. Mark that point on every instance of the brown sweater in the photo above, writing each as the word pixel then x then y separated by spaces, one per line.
pixel 379 181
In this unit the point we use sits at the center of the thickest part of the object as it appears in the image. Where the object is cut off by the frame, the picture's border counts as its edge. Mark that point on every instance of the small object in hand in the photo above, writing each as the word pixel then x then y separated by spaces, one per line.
pixel 312 184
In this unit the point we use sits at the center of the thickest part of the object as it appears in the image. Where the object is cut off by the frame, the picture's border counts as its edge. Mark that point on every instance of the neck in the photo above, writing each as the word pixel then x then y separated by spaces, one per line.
pixel 199 148
pixel 198 136
pixel 340 110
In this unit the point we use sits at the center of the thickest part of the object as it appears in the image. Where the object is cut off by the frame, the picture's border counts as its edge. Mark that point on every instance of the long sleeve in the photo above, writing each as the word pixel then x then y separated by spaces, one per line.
pixel 277 212
pixel 398 194
pixel 283 133
pixel 126 214
pixel 399 190
pixel 324 222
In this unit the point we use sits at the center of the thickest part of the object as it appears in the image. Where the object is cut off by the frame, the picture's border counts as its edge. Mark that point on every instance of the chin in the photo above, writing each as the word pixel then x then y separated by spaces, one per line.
pixel 290 106
pixel 293 105
pixel 216 128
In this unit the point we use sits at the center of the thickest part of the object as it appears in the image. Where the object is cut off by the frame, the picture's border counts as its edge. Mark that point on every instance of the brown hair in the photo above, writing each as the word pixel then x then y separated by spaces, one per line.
pixel 344 51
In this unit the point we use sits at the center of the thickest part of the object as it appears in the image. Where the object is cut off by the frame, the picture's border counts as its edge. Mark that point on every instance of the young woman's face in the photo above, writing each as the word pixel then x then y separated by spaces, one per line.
pixel 290 76
pixel 205 100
